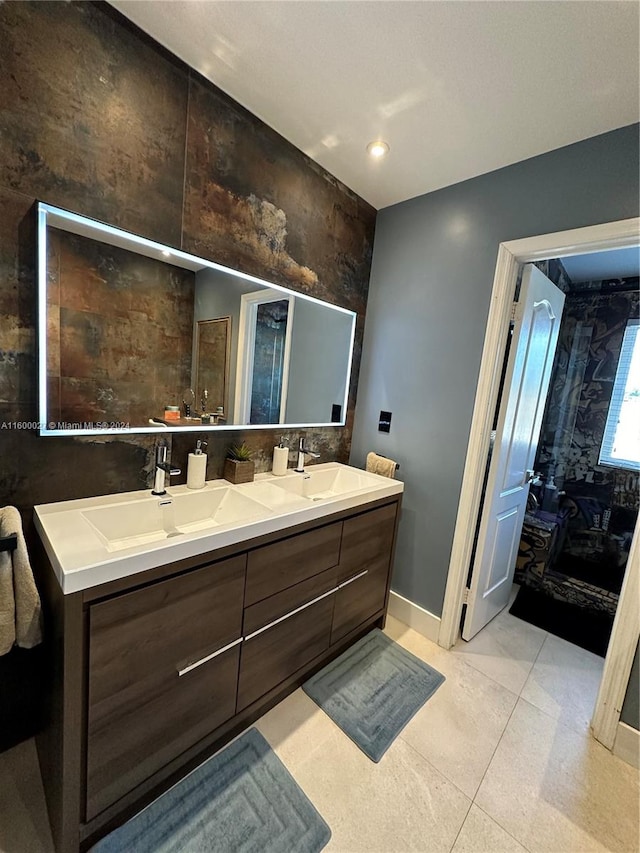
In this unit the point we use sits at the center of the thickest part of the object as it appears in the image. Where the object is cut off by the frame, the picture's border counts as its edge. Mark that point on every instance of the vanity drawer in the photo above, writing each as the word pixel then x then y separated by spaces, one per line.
pixel 281 650
pixel 367 540
pixel 272 608
pixel 163 668
pixel 283 564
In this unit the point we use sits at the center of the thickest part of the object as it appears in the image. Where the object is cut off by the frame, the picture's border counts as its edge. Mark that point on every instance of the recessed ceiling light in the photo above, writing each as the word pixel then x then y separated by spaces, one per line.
pixel 378 148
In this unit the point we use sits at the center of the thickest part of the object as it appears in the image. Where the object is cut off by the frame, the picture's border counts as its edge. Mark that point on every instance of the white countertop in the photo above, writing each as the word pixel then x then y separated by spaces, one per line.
pixel 82 558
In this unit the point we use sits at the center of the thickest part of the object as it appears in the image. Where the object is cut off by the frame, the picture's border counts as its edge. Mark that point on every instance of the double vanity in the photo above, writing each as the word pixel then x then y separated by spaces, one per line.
pixel 178 620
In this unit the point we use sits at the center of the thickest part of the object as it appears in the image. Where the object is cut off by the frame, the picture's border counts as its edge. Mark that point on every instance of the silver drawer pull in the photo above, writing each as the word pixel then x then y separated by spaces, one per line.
pixel 209 657
pixel 354 578
pixel 292 613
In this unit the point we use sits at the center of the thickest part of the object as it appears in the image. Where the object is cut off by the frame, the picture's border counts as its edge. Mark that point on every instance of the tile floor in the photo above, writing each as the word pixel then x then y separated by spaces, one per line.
pixel 499 760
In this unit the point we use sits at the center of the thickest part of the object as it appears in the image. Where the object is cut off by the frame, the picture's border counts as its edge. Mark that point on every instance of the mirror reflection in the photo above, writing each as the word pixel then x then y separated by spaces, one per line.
pixel 211 348
pixel 140 337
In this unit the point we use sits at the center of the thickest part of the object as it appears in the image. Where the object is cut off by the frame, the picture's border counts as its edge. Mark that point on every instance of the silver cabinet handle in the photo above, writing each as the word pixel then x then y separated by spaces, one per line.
pixel 208 657
pixel 292 613
pixel 354 578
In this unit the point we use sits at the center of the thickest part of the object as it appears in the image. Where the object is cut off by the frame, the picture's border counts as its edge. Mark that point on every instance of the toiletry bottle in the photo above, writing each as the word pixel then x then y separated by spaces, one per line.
pixel 188 402
pixel 280 458
pixel 550 496
pixel 197 467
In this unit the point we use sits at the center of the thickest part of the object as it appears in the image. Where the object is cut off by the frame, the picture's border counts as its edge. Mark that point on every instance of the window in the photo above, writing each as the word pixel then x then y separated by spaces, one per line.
pixel 621 441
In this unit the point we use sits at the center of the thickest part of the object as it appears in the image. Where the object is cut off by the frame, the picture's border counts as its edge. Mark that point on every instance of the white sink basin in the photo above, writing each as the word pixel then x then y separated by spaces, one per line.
pixel 278 499
pixel 92 541
pixel 324 484
pixel 130 523
pixel 214 508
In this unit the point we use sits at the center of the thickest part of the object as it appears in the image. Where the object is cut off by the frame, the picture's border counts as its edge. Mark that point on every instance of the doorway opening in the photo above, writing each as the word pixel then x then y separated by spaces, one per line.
pixel 264 352
pixel 584 500
pixel 624 636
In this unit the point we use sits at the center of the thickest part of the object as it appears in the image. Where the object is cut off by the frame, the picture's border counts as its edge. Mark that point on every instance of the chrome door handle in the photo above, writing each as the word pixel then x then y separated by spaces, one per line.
pixel 213 655
pixel 291 613
pixel 354 578
pixel 529 475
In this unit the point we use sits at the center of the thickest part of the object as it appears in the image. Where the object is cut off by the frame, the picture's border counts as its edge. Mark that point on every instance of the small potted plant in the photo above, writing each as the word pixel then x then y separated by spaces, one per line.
pixel 239 466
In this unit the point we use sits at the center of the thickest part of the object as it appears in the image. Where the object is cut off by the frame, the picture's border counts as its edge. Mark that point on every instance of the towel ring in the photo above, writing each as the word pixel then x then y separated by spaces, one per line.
pixel 386 457
pixel 9 543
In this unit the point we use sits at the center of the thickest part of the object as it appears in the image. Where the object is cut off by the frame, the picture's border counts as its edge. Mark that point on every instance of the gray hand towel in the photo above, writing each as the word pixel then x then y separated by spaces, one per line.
pixel 20 609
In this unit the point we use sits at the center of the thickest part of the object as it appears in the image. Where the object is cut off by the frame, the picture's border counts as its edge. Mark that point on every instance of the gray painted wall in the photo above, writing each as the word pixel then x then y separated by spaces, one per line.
pixel 218 294
pixel 318 364
pixel 433 265
pixel 319 346
pixel 631 706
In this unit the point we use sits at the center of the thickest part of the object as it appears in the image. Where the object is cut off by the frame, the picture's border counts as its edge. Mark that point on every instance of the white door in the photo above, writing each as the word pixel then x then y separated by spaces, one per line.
pixel 533 346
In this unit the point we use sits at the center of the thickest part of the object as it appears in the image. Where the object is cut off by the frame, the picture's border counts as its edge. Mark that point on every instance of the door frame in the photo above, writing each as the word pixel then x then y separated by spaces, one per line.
pixel 626 628
pixel 249 303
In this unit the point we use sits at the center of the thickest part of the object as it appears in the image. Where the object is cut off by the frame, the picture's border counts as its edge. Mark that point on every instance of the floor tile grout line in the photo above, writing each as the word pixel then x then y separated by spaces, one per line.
pixel 482 672
pixel 546 637
pixel 457 657
pixel 433 767
pixel 495 680
pixel 559 722
pixel 489 763
pixel 464 820
pixel 497 822
pixel 450 781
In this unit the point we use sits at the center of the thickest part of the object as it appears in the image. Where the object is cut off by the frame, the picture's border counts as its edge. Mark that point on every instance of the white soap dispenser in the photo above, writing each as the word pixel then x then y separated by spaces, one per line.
pixel 197 467
pixel 280 458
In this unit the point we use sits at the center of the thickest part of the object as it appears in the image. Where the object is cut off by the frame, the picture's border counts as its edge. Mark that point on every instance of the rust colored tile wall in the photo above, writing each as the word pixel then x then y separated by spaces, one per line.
pixel 120 336
pixel 91 117
pixel 109 125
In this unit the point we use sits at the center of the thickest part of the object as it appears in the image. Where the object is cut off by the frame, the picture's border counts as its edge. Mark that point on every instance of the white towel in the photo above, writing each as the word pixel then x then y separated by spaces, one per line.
pixel 20 609
pixel 381 465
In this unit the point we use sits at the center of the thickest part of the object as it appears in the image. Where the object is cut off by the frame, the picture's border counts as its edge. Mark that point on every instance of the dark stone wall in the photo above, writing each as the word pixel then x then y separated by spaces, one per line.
pixel 603 500
pixel 119 330
pixel 578 403
pixel 97 118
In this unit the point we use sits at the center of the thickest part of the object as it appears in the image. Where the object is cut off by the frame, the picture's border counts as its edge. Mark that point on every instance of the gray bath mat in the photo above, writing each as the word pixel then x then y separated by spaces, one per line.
pixel 373 690
pixel 242 800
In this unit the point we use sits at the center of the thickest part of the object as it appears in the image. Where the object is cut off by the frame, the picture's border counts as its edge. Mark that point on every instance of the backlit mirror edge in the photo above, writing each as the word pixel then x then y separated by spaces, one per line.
pixel 83 226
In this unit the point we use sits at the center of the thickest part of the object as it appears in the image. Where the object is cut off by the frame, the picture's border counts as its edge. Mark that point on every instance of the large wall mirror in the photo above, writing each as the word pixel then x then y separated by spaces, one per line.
pixel 138 337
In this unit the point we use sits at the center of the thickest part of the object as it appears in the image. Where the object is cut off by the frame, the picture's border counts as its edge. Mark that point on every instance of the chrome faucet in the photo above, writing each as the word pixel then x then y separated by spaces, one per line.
pixel 162 468
pixel 302 452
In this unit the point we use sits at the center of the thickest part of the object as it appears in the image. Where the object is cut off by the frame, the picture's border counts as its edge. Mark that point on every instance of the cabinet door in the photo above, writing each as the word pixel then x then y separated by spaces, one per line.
pixel 367 542
pixel 277 652
pixel 163 669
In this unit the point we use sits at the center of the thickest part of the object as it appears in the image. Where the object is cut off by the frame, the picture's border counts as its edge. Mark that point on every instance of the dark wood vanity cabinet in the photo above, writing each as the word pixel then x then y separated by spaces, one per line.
pixel 365 564
pixel 154 672
pixel 282 649
pixel 289 561
pixel 163 669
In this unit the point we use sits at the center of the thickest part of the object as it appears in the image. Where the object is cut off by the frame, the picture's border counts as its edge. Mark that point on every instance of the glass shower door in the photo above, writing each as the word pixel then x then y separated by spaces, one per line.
pixel 268 362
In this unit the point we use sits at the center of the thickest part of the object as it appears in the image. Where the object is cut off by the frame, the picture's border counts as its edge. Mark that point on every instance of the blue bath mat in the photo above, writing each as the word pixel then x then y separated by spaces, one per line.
pixel 373 690
pixel 242 800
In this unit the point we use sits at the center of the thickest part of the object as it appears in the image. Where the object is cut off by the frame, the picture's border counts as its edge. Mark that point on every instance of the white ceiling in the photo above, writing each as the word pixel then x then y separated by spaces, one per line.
pixel 456 88
pixel 616 263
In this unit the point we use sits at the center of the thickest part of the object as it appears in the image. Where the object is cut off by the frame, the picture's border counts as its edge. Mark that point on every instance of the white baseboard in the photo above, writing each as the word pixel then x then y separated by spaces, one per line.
pixel 414 616
pixel 627 744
